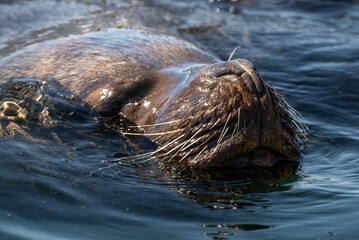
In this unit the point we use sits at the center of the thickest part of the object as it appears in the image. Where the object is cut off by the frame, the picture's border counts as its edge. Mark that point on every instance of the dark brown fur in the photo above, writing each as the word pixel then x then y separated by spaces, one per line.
pixel 199 110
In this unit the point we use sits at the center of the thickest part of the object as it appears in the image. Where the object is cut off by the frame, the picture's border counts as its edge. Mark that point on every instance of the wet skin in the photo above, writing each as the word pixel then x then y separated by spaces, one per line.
pixel 199 110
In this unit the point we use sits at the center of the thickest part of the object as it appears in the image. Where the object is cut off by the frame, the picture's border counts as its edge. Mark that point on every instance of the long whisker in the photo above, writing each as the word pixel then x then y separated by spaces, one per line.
pixel 234 101
pixel 137 157
pixel 168 144
pixel 152 125
pixel 186 142
pixel 208 139
pixel 299 133
pixel 215 123
pixel 141 134
pixel 175 148
pixel 298 126
pixel 234 50
pixel 221 138
pixel 293 112
pixel 192 150
pixel 224 130
pixel 234 130
pixel 150 134
pixel 150 154
pixel 184 157
pixel 199 154
pixel 296 118
pixel 239 116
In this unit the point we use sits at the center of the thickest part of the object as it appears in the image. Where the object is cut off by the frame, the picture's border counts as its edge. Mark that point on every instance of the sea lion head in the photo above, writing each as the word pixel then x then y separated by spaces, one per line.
pixel 199 110
pixel 225 114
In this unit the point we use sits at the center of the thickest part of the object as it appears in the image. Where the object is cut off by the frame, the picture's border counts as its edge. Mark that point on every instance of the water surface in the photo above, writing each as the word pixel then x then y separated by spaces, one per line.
pixel 57 183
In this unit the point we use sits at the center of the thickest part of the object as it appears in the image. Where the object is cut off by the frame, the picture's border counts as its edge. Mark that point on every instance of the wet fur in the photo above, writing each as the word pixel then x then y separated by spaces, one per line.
pixel 142 82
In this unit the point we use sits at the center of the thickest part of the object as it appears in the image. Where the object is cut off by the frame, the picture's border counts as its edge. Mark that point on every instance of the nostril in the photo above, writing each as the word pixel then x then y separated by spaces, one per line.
pixel 243 69
pixel 248 80
pixel 253 82
pixel 225 72
pixel 252 77
pixel 245 64
pixel 226 68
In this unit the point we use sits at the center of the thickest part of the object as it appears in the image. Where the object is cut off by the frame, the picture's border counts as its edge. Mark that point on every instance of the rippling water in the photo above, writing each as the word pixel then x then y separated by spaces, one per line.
pixel 56 180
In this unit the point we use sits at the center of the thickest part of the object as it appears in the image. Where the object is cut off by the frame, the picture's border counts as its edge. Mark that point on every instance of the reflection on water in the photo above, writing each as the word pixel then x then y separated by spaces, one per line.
pixel 57 180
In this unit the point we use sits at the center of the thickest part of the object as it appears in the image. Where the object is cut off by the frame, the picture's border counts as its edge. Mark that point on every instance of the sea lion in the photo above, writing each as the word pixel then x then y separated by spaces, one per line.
pixel 199 110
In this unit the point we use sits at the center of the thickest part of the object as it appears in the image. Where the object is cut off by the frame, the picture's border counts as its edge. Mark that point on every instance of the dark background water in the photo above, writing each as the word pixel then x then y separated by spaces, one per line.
pixel 57 183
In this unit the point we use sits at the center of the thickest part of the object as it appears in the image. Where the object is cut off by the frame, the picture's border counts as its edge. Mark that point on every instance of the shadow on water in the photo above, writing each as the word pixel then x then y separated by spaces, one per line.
pixel 226 188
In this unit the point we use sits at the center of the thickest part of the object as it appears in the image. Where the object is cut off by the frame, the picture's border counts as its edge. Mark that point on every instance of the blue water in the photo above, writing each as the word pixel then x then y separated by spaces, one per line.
pixel 57 181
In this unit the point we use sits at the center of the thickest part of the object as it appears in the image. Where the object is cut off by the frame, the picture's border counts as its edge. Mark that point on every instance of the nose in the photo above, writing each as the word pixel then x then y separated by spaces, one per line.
pixel 243 69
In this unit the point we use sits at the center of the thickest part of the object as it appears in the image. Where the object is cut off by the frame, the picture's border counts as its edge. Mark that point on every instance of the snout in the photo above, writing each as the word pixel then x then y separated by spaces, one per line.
pixel 242 68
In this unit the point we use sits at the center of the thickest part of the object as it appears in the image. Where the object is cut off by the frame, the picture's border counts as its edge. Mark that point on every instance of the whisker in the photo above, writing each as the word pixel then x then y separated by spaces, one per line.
pixel 153 125
pixel 192 150
pixel 298 126
pixel 149 159
pixel 299 131
pixel 234 101
pixel 150 154
pixel 173 149
pixel 168 144
pixel 196 148
pixel 224 128
pixel 150 134
pixel 189 145
pixel 234 50
pixel 295 113
pixel 204 141
pixel 100 169
pixel 291 113
pixel 193 160
pixel 239 116
pixel 157 138
pixel 301 139
pixel 234 130
pixel 137 157
pixel 186 143
pixel 215 124
pixel 184 157
pixel 220 140
pixel 296 117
